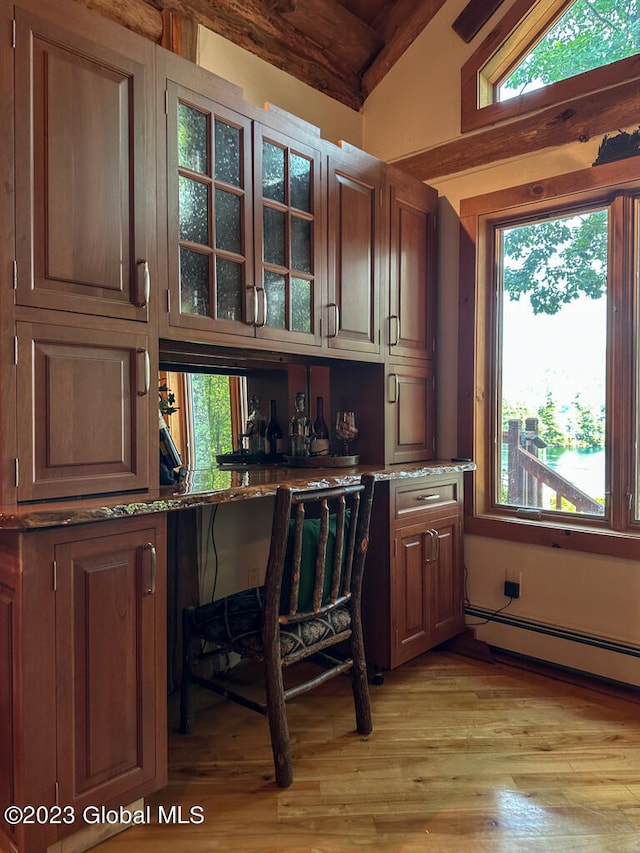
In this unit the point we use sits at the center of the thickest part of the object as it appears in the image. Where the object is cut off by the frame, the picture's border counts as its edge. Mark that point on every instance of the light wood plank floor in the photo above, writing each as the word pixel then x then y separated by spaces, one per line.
pixel 466 757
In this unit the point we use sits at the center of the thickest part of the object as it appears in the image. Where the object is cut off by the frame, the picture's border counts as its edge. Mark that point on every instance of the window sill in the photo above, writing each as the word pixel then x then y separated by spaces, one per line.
pixel 611 543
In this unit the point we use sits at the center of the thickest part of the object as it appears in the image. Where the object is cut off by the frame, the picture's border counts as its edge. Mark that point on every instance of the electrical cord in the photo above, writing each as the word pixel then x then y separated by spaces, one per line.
pixel 467 603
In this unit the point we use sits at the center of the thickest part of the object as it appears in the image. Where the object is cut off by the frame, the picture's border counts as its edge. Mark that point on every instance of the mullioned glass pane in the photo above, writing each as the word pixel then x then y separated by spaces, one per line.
pixel 300 180
pixel 194 283
pixel 228 159
pixel 274 237
pixel 300 244
pixel 228 222
pixel 228 290
pixel 193 139
pixel 194 211
pixel 275 288
pixel 300 304
pixel 273 172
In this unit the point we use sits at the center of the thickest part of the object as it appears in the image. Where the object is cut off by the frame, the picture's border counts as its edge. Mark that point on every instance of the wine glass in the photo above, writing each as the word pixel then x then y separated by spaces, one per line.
pixel 346 429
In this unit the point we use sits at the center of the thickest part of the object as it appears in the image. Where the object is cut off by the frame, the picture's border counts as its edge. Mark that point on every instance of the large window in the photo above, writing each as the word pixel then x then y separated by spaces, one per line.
pixel 549 330
pixel 548 52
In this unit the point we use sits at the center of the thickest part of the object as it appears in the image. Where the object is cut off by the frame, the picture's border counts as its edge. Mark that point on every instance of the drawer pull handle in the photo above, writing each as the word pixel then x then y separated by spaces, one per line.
pixel 428 498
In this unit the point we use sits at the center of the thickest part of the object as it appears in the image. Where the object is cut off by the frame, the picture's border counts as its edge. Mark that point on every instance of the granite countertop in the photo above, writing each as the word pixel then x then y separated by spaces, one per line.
pixel 202 487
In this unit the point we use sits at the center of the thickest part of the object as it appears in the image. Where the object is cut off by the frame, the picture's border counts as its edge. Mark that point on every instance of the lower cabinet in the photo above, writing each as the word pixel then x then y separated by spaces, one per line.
pixel 83 610
pixel 414 582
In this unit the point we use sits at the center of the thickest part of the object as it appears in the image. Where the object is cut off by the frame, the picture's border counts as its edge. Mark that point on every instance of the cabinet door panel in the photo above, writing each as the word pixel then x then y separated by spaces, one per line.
pixel 448 580
pixel 85 195
pixel 355 227
pixel 83 404
pixel 412 268
pixel 288 237
pixel 209 206
pixel 410 595
pixel 107 637
pixel 410 422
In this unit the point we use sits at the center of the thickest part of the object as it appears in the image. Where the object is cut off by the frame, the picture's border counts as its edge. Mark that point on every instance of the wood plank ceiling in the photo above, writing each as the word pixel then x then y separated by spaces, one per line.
pixel 342 48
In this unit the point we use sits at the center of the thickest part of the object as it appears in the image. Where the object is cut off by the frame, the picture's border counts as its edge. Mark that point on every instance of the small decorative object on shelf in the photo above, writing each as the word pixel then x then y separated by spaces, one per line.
pixel 300 427
pixel 273 442
pixel 346 429
pixel 256 428
pixel 320 437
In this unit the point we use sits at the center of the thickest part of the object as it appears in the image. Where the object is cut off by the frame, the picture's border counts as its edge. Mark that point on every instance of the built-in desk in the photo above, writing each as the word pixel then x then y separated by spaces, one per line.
pixel 84 619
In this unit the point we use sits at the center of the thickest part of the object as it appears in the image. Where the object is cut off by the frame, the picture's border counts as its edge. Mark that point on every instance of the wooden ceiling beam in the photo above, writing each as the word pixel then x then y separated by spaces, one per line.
pixel 136 15
pixel 328 23
pixel 473 17
pixel 275 40
pixel 399 27
pixel 578 120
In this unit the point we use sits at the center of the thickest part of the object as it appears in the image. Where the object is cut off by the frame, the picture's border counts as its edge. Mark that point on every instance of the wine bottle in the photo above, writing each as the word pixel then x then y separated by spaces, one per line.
pixel 320 431
pixel 274 433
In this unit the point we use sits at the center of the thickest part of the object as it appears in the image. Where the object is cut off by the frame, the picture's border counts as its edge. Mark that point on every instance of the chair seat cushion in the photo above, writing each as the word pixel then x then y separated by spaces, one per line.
pixel 236 621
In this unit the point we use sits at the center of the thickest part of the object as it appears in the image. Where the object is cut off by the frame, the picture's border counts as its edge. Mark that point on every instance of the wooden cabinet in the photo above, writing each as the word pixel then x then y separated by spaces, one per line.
pixel 83 621
pixel 414 582
pixel 410 330
pixel 243 212
pixel 412 267
pixel 80 319
pixel 356 237
pixel 83 401
pixel 410 412
pixel 85 172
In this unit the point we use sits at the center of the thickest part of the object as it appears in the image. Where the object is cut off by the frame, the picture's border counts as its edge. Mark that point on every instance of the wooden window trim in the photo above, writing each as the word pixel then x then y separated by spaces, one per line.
pixel 504 48
pixel 619 535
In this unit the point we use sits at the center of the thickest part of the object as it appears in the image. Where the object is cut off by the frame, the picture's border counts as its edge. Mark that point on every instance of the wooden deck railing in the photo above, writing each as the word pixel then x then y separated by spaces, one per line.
pixel 526 474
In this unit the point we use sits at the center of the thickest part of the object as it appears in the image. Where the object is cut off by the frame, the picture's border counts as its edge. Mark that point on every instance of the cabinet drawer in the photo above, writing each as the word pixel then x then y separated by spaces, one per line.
pixel 423 497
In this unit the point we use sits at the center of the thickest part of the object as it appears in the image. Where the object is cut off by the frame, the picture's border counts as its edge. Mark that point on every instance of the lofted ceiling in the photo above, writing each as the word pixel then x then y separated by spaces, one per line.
pixel 342 48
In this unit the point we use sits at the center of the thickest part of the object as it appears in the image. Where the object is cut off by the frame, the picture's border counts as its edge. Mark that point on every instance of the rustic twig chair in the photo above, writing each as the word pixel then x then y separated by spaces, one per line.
pixel 310 601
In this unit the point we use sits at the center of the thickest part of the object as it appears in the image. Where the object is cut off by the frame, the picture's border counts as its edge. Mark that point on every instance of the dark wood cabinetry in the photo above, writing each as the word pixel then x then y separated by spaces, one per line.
pixel 356 241
pixel 85 176
pixel 82 402
pixel 410 331
pixel 83 621
pixel 243 211
pixel 81 316
pixel 414 582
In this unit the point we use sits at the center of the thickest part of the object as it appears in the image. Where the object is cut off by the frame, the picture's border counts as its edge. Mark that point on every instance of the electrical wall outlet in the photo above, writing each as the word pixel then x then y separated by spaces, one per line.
pixel 512 589
pixel 514 577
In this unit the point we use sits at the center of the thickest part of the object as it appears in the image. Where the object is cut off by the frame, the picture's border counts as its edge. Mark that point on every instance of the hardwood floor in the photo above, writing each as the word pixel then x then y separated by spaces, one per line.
pixel 466 756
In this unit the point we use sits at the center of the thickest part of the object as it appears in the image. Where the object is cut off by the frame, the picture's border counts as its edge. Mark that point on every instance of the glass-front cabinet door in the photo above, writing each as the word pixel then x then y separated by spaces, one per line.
pixel 288 238
pixel 210 210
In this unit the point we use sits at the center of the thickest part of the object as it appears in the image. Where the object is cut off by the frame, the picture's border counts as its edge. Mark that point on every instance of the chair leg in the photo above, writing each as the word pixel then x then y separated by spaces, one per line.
pixel 360 682
pixel 278 725
pixel 186 709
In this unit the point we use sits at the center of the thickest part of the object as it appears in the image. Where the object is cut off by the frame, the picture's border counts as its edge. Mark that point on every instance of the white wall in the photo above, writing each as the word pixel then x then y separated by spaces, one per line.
pixel 417 106
pixel 262 82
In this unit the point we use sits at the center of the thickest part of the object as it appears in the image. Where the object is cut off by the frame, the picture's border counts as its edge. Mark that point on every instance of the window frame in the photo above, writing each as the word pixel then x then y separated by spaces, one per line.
pixel 515 34
pixel 616 185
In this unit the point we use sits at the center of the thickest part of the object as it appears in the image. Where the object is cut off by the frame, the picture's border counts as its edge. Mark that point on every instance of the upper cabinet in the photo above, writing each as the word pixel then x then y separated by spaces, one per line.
pixel 85 176
pixel 356 230
pixel 241 206
pixel 412 267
